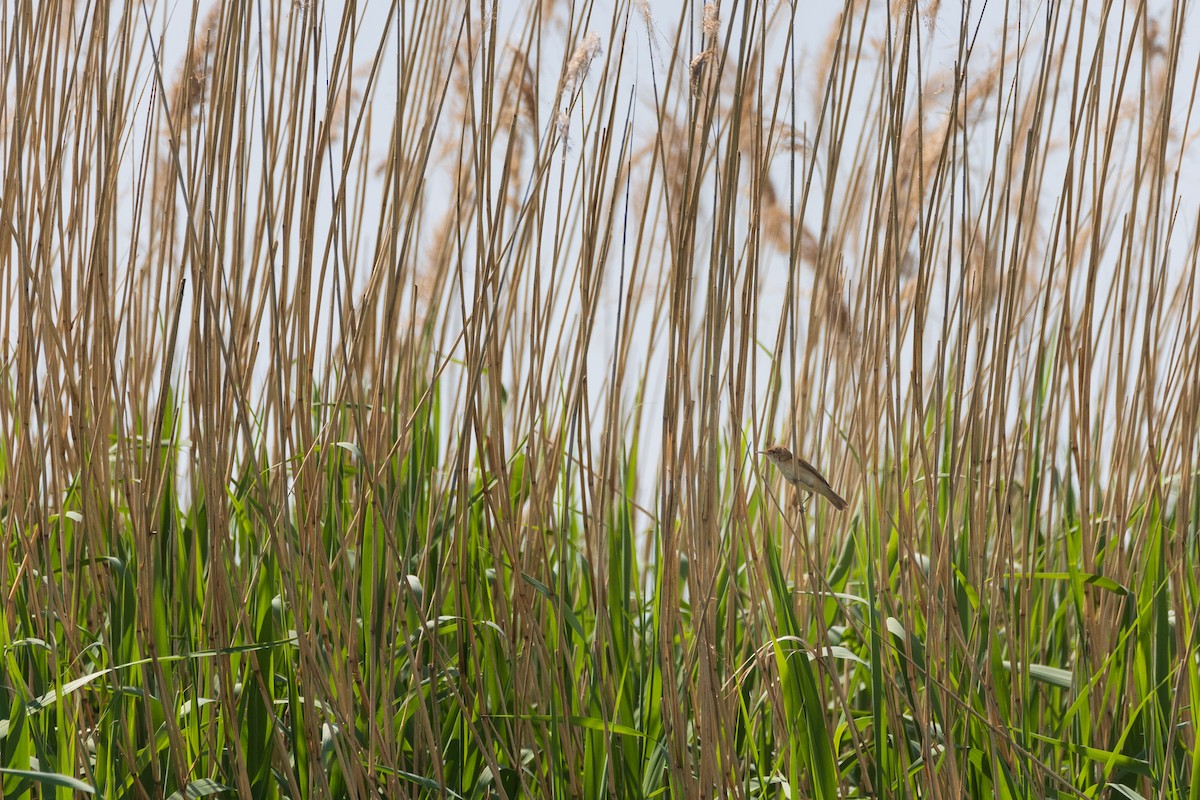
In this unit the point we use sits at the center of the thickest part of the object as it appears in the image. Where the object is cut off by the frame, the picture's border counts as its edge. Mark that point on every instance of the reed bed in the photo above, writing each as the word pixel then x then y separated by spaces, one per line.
pixel 382 390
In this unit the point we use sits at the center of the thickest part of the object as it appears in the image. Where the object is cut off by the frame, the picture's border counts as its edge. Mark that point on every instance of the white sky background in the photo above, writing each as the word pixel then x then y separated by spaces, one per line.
pixel 171 22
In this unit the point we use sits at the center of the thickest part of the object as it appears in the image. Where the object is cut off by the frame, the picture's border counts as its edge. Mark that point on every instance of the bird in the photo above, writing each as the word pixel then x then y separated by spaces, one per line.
pixel 802 474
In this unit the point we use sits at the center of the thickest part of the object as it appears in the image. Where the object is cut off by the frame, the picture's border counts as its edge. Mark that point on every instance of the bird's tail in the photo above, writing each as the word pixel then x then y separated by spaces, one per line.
pixel 833 497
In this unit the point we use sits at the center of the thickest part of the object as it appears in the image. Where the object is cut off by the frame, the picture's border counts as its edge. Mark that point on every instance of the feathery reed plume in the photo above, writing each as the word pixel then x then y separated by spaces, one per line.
pixel 581 60
pixel 710 23
pixel 695 69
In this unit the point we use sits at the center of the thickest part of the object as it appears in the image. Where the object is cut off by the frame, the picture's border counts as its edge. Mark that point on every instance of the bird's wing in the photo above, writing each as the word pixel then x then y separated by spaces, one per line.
pixel 823 488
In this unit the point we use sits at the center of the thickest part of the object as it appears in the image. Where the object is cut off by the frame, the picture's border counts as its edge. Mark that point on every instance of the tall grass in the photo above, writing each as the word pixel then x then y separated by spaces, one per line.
pixel 381 391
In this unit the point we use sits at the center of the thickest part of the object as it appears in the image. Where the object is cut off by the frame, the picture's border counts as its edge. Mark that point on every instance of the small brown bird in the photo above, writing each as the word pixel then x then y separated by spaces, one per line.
pixel 802 474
